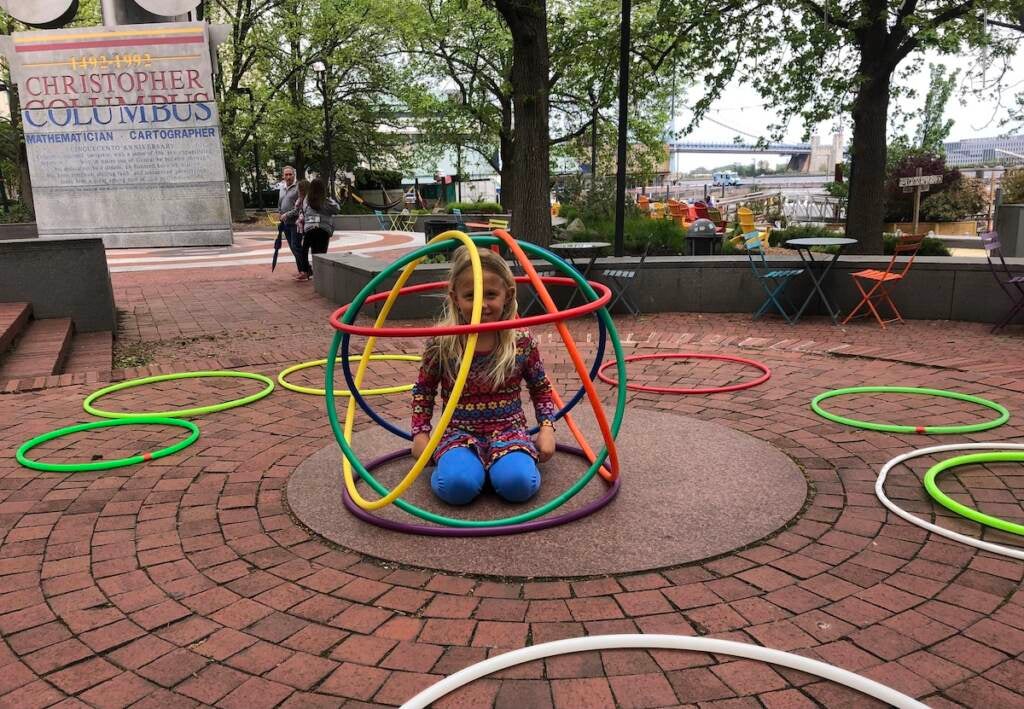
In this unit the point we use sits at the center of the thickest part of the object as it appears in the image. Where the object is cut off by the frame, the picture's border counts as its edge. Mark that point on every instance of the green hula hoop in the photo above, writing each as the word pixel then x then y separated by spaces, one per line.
pixel 195 411
pixel 1003 417
pixel 963 510
pixel 106 464
pixel 620 404
pixel 281 378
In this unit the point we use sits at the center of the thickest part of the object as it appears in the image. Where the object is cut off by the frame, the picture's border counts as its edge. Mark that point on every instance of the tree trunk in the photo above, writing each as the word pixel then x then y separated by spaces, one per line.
pixel 508 175
pixel 866 207
pixel 527 21
pixel 235 192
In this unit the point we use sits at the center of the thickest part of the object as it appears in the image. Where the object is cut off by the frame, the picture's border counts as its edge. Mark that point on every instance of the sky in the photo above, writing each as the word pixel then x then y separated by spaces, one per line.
pixel 740 108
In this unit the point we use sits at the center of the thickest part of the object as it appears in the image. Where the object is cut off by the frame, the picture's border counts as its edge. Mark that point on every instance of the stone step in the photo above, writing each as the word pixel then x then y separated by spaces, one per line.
pixel 90 352
pixel 40 351
pixel 13 319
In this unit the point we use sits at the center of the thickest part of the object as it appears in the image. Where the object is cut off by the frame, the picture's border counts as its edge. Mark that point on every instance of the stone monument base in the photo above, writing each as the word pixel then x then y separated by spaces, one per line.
pixel 147 239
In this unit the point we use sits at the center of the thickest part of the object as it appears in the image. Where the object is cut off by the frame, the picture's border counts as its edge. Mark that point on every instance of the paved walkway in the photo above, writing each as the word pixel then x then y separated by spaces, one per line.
pixel 186 582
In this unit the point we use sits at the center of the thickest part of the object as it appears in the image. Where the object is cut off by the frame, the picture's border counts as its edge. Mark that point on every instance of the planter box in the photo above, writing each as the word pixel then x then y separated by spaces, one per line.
pixel 368 222
pixel 937 288
pixel 939 228
pixel 1010 225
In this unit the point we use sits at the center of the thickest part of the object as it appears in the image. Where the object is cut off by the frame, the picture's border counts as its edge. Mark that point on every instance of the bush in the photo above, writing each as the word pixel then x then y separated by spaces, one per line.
pixel 929 247
pixel 808 231
pixel 666 236
pixel 476 207
pixel 17 213
pixel 962 199
pixel 375 179
pixel 1013 186
pixel 899 205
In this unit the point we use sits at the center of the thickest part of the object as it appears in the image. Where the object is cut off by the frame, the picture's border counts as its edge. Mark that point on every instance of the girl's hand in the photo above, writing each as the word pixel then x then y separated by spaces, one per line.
pixel 419 444
pixel 545 443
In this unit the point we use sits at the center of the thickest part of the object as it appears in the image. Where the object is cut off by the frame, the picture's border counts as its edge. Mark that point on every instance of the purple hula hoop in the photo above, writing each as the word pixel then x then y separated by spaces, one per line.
pixel 431 531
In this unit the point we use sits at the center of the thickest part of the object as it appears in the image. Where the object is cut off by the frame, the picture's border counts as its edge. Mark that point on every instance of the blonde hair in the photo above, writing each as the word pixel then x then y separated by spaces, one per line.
pixel 450 348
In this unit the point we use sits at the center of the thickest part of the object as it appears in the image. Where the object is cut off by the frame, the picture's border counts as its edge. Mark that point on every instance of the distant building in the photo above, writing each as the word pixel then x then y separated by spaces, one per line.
pixel 983 151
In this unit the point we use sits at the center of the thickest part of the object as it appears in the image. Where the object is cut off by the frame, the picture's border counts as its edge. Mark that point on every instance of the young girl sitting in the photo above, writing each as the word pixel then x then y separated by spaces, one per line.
pixel 487 435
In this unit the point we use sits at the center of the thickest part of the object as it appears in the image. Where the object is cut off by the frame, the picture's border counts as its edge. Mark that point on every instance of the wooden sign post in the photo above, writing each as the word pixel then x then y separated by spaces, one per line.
pixel 918 184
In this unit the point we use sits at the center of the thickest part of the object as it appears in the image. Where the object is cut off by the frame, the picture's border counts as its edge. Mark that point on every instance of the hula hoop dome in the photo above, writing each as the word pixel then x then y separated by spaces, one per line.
pixel 604 462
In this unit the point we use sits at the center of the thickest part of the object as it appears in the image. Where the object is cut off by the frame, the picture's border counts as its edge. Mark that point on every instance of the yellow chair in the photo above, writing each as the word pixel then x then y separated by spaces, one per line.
pixel 497 224
pixel 745 217
pixel 657 210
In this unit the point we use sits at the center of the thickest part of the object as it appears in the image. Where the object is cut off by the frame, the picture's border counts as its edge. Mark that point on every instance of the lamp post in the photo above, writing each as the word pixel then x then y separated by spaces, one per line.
pixel 321 81
pixel 257 183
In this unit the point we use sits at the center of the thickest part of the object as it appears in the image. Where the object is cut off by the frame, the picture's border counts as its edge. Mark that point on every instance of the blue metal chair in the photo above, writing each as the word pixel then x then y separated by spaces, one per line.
pixel 382 220
pixel 774 281
pixel 460 223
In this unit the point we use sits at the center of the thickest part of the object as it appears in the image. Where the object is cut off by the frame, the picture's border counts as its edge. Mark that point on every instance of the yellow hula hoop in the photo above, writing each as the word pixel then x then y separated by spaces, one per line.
pixel 460 378
pixel 397 389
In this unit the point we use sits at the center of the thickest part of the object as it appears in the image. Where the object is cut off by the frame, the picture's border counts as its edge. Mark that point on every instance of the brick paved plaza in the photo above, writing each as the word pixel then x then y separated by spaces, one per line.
pixel 187 581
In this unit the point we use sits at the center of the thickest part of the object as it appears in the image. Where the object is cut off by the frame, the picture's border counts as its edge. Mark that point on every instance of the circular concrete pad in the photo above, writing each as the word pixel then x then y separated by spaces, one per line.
pixel 690 490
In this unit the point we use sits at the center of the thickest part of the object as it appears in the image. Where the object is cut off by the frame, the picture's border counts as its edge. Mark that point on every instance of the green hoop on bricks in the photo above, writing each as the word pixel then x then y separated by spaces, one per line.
pixel 106 464
pixel 195 411
pixel 1004 414
pixel 963 510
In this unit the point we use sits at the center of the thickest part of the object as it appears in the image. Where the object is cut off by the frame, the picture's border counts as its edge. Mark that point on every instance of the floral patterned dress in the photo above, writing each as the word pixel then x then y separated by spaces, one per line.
pixel 488 419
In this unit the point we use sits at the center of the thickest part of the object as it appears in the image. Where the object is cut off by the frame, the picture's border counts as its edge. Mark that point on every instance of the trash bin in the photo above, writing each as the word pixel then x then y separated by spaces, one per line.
pixel 433 227
pixel 702 238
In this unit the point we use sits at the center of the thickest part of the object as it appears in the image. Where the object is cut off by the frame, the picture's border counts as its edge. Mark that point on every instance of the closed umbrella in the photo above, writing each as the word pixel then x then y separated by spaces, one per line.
pixel 277 249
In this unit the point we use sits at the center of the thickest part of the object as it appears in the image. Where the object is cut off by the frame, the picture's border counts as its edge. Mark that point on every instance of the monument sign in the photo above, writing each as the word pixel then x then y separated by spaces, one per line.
pixel 122 133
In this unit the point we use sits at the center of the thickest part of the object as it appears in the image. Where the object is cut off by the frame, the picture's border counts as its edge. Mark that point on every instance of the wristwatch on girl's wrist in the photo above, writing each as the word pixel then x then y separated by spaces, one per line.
pixel 548 423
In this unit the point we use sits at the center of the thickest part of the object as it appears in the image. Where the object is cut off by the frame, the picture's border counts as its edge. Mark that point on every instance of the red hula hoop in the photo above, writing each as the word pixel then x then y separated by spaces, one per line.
pixel 686 355
pixel 578 311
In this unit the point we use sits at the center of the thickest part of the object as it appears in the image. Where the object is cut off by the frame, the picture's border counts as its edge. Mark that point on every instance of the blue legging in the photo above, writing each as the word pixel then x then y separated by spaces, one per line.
pixel 459 476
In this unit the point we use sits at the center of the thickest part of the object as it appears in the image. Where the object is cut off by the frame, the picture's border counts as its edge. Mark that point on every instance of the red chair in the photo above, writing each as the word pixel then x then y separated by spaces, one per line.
pixel 908 246
pixel 702 213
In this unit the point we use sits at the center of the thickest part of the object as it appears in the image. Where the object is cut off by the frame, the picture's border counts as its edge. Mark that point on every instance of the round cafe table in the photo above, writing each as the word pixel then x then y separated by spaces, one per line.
pixel 818 269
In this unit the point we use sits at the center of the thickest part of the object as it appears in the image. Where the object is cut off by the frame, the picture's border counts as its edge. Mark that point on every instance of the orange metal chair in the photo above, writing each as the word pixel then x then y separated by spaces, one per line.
pixel 907 245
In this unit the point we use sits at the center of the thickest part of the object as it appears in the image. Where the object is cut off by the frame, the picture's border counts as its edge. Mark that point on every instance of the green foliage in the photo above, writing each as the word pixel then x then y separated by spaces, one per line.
pixel 665 235
pixel 962 199
pixel 375 179
pixel 476 207
pixel 17 213
pixel 1013 186
pixel 838 189
pixel 781 236
pixel 932 131
pixel 929 247
pixel 899 205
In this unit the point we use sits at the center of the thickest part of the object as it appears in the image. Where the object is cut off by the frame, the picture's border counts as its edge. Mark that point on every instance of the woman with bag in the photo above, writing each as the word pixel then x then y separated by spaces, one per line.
pixel 317 226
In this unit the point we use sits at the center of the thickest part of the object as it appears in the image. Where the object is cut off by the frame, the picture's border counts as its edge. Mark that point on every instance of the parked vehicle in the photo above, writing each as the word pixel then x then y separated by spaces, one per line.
pixel 726 178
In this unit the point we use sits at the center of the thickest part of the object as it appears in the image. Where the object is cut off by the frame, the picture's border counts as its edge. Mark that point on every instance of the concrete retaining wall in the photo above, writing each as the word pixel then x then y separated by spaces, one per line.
pixel 19 230
pixel 62 278
pixel 937 288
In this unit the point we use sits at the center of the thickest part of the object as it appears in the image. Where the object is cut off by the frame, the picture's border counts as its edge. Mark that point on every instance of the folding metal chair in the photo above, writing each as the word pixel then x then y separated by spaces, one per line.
pixel 620 280
pixel 460 223
pixel 1011 283
pixel 907 245
pixel 381 220
pixel 774 281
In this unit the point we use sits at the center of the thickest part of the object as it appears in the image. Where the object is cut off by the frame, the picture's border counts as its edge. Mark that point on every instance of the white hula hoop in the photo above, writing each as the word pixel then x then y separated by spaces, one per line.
pixel 948 533
pixel 663 642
